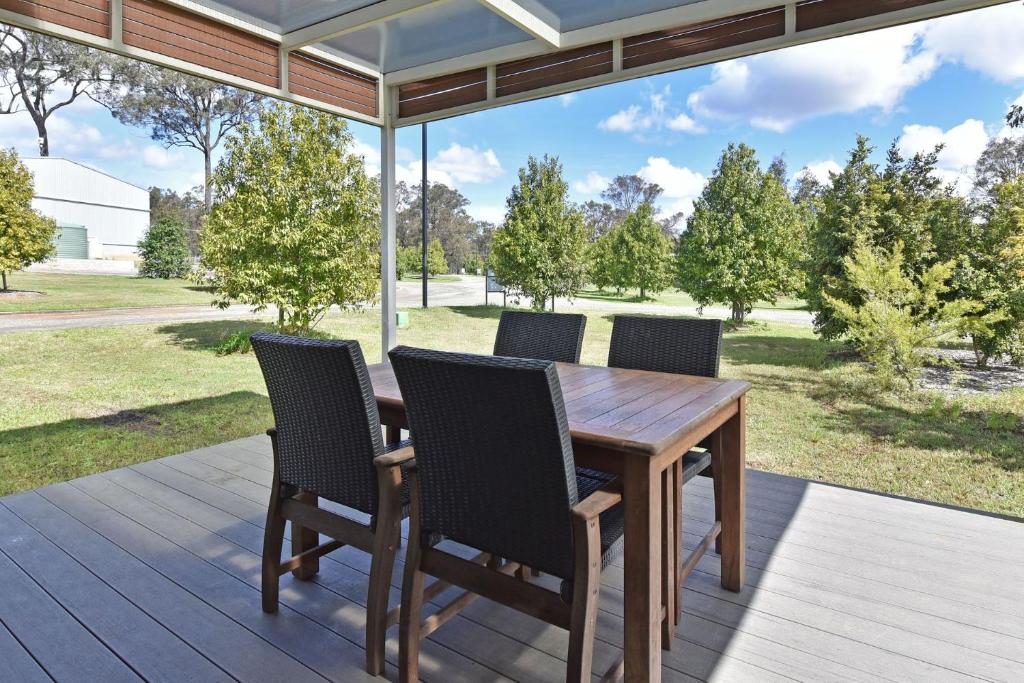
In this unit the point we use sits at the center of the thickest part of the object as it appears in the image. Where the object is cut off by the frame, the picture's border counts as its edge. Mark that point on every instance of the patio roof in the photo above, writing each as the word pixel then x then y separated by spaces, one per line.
pixel 400 62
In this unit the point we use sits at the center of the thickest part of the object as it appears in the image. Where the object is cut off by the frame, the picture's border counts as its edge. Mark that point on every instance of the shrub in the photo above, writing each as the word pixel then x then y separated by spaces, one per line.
pixel 164 250
pixel 898 315
pixel 25 234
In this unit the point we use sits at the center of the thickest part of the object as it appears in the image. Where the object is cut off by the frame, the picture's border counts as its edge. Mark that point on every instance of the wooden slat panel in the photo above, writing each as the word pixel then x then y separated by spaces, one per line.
pixel 706 36
pixel 325 82
pixel 818 13
pixel 88 16
pixel 443 92
pixel 173 32
pixel 561 67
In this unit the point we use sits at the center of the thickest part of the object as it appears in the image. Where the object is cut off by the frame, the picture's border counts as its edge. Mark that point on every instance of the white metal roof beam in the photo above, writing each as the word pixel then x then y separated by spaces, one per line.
pixel 377 13
pixel 515 13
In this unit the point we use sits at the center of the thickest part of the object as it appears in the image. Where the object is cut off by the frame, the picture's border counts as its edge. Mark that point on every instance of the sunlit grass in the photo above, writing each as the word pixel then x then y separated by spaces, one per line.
pixel 84 400
pixel 64 292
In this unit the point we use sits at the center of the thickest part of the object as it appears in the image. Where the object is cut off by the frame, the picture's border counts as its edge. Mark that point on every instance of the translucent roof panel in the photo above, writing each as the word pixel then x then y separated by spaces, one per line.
pixel 288 15
pixel 448 30
pixel 574 14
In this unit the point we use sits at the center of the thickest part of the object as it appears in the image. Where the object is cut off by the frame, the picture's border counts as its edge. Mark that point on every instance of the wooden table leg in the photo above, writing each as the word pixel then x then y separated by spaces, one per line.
pixel 734 457
pixel 668 557
pixel 642 576
pixel 392 435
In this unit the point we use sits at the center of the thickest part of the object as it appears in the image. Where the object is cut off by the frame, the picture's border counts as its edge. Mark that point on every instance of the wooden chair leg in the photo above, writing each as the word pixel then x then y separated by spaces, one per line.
pixel 410 616
pixel 304 539
pixel 273 539
pixel 387 533
pixel 586 588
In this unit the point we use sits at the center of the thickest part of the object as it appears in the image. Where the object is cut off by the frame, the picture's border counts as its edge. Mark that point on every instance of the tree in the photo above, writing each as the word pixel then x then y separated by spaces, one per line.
pixel 1015 117
pixel 642 253
pixel 447 220
pixel 627 192
pixel 182 111
pixel 41 75
pixel 600 218
pixel 539 251
pixel 296 219
pixel 164 250
pixel 743 242
pixel 26 236
pixel 899 205
pixel 602 270
pixel 188 209
pixel 1002 161
pixel 898 314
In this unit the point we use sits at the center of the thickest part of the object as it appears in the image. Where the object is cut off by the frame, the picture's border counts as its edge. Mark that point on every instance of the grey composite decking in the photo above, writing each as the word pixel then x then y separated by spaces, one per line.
pixel 152 572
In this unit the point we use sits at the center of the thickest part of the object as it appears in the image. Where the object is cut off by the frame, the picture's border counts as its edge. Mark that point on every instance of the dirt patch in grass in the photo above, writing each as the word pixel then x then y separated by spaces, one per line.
pixel 20 295
pixel 962 376
pixel 134 420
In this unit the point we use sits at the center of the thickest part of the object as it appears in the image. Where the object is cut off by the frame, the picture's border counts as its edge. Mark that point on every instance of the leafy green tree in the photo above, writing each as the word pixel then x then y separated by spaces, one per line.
pixel 898 205
pixel 539 251
pixel 410 260
pixel 1001 161
pixel 164 250
pixel 897 314
pixel 181 111
pixel 643 253
pixel 473 264
pixel 436 263
pixel 602 264
pixel 26 236
pixel 407 261
pixel 743 242
pixel 296 219
pixel 187 208
pixel 449 224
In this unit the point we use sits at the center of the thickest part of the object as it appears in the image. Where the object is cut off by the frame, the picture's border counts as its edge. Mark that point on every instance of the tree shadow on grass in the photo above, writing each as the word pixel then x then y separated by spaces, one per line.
pixel 59 451
pixel 208 335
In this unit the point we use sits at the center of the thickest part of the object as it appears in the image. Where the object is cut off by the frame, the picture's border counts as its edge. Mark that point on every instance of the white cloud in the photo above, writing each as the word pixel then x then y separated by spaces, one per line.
pixel 155 156
pixel 821 169
pixel 654 116
pixel 985 40
pixel 491 214
pixel 775 90
pixel 467 164
pixel 962 144
pixel 567 99
pixel 626 121
pixel 682 185
pixel 594 183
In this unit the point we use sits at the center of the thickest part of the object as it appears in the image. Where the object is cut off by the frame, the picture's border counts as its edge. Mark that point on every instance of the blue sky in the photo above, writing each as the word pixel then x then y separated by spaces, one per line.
pixel 949 80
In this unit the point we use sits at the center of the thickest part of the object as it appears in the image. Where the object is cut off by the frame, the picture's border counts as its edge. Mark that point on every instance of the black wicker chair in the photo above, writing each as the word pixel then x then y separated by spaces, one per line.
pixel 684 346
pixel 327 443
pixel 494 471
pixel 545 336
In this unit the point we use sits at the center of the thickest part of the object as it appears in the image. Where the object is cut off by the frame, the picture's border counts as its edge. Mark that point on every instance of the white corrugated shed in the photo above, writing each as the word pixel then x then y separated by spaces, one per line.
pixel 115 212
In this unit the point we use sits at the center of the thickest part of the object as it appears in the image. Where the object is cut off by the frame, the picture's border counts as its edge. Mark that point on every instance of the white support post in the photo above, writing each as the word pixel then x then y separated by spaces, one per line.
pixel 388 240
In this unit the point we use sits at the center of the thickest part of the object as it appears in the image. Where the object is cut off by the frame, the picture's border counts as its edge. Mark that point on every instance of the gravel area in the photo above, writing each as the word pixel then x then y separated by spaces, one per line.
pixel 965 377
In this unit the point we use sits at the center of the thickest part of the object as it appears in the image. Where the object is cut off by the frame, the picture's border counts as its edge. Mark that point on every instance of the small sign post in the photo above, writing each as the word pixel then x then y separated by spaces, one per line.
pixel 492 284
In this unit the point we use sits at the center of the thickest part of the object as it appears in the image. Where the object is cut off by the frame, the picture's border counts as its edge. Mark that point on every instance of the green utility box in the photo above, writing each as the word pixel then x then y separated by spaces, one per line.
pixel 402 319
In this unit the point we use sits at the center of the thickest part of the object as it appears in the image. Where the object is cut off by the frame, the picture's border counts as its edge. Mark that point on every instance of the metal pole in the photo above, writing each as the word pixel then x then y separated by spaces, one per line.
pixel 423 210
pixel 388 243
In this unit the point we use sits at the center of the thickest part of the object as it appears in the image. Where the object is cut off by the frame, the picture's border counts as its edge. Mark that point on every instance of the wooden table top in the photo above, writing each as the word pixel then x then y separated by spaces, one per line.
pixel 623 410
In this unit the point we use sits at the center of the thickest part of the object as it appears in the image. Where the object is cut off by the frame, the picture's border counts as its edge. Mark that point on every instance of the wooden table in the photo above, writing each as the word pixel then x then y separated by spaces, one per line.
pixel 638 425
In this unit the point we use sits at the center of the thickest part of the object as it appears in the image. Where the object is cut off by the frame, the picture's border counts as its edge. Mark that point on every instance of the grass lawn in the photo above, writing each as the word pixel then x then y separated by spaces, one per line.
pixel 677 298
pixel 79 401
pixel 61 292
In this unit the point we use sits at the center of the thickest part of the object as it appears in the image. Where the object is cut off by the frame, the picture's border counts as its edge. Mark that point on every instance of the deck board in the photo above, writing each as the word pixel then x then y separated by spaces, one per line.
pixel 843 585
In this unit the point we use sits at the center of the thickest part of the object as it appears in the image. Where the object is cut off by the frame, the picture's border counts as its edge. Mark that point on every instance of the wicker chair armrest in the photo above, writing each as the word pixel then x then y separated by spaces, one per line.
pixel 395 458
pixel 601 500
pixel 272 432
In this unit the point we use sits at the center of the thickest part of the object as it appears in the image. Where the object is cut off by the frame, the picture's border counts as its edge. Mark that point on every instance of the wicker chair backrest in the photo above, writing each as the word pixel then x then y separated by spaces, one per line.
pixel 684 346
pixel 325 413
pixel 493 453
pixel 545 336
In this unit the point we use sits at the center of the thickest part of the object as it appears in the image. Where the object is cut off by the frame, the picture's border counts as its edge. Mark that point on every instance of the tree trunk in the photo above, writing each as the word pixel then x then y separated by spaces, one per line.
pixel 44 137
pixel 739 313
pixel 4 276
pixel 643 294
